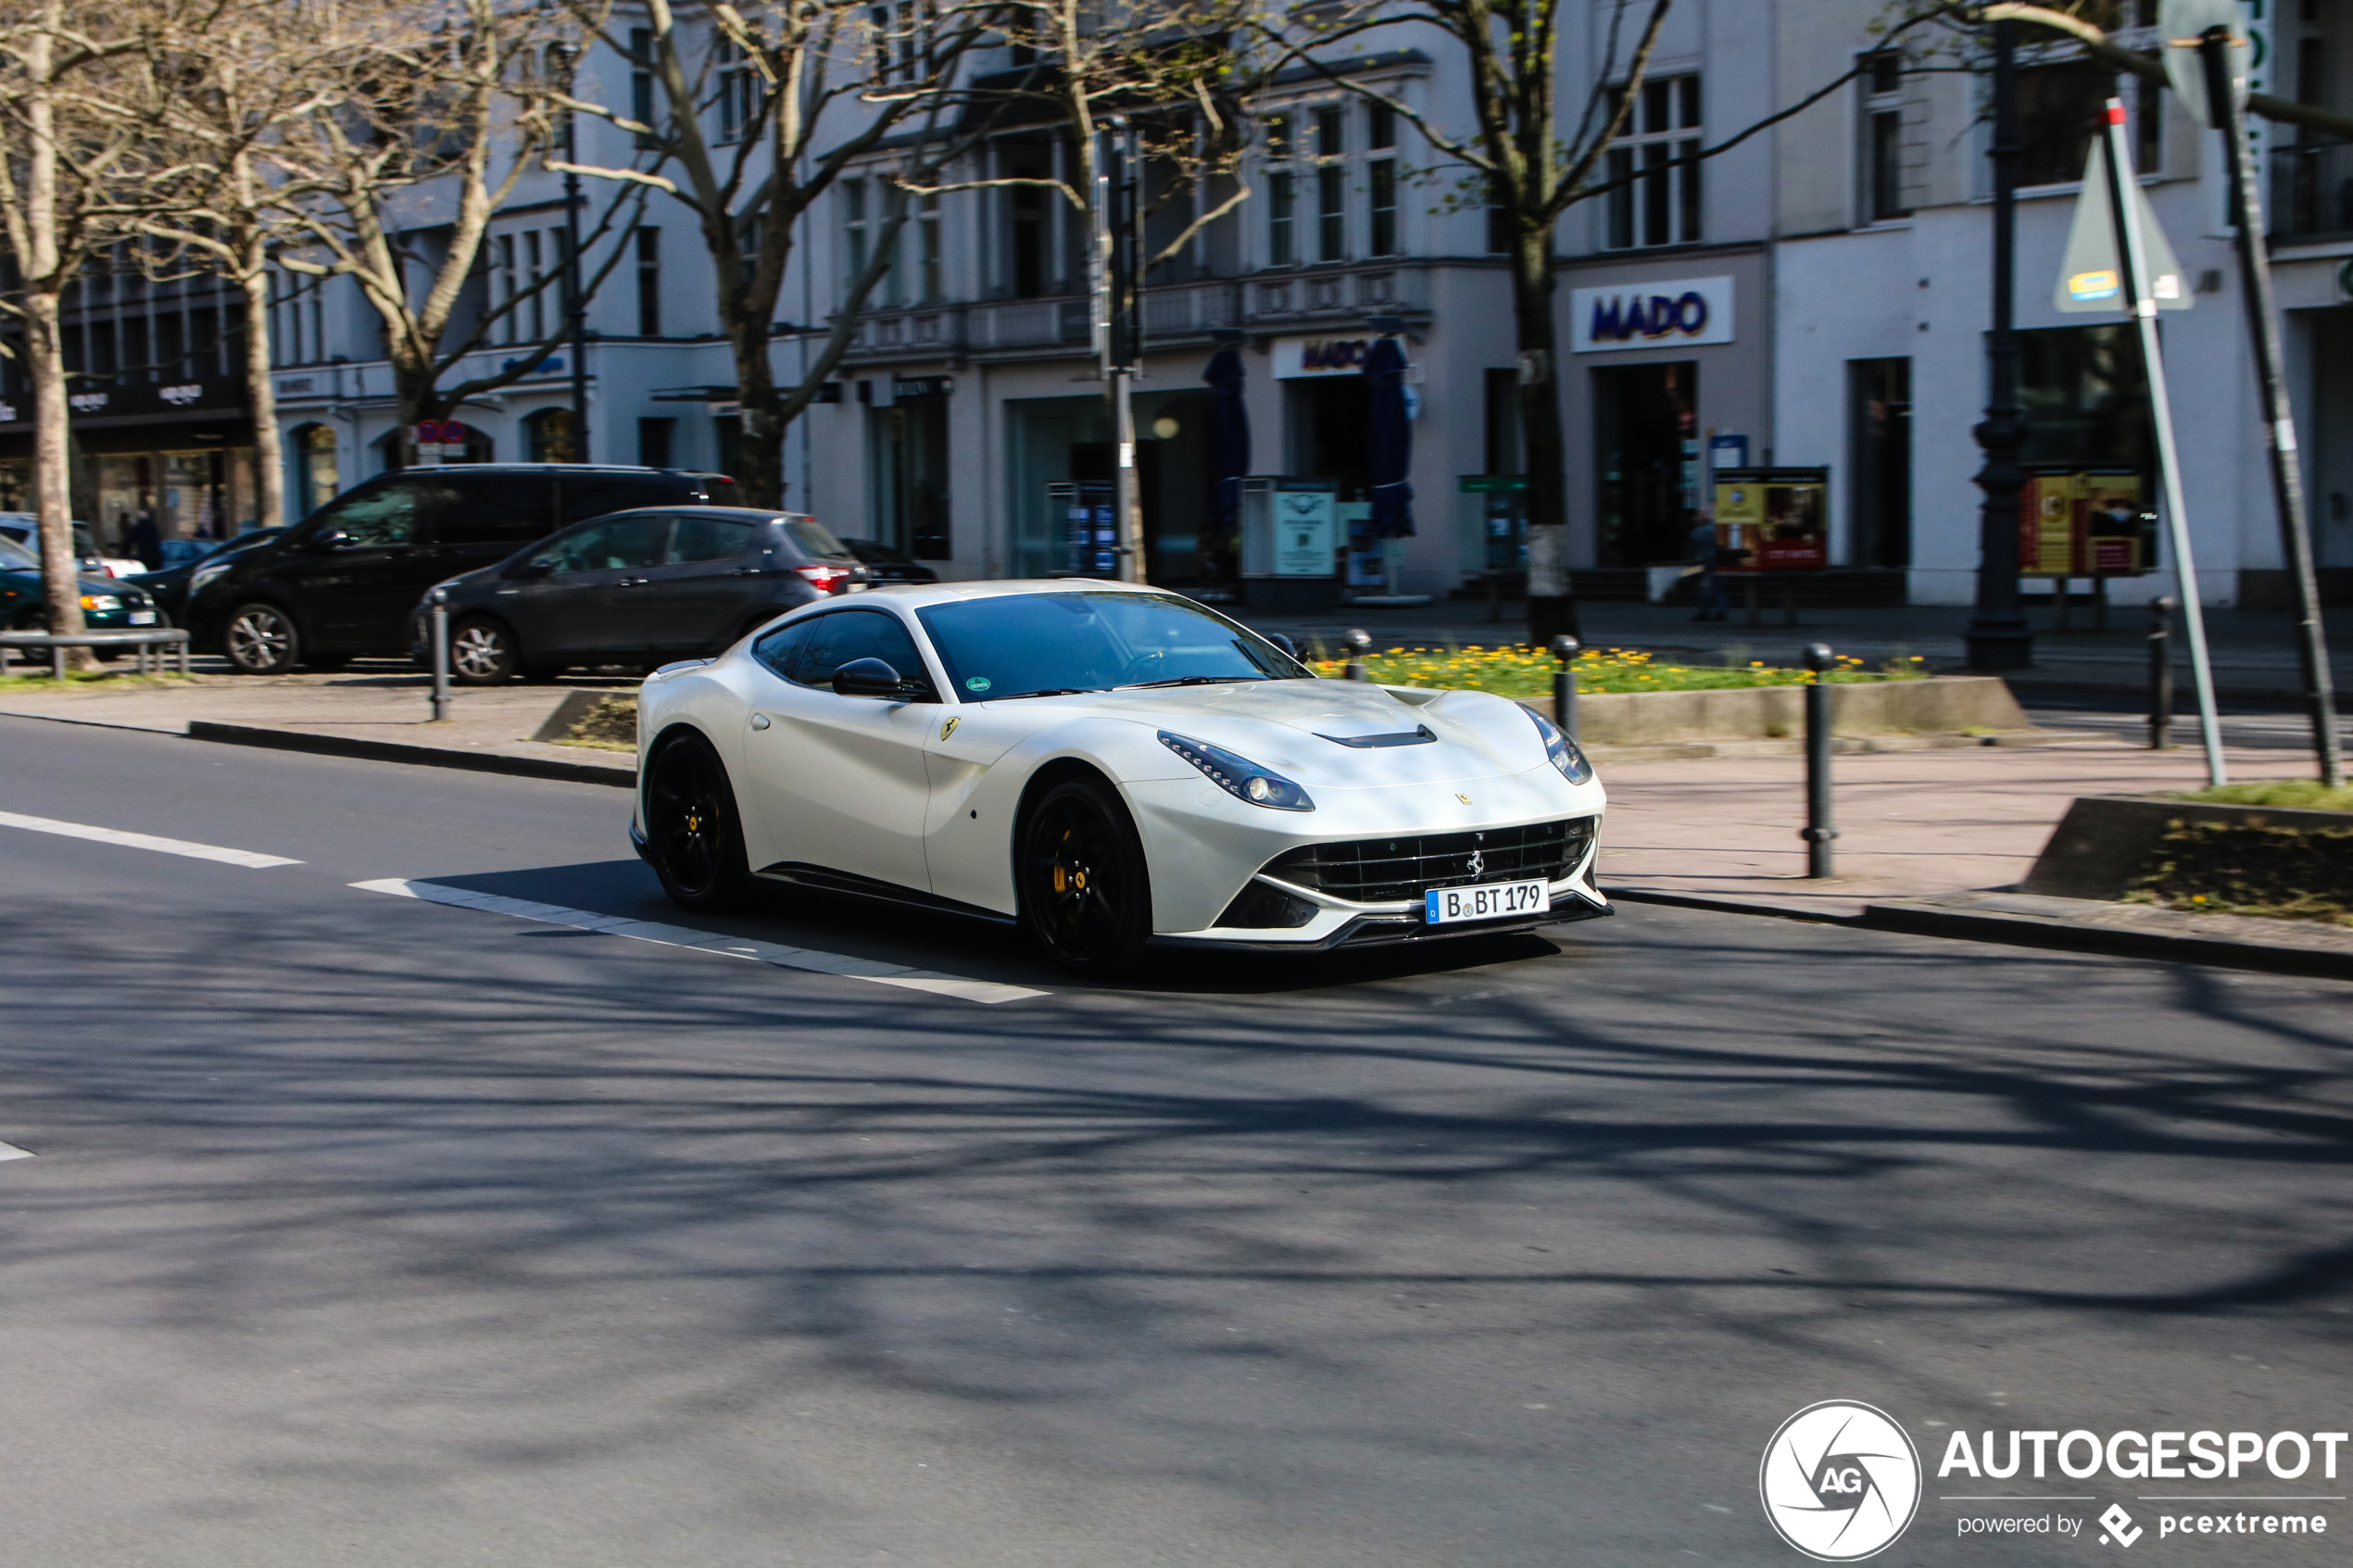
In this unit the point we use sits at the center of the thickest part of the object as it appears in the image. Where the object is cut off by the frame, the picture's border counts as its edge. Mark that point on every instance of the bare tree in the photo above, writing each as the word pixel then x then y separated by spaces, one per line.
pixel 78 163
pixel 441 109
pixel 801 91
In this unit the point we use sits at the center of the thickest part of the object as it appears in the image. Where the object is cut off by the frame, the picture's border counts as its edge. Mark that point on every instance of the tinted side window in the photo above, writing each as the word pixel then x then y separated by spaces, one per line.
pixel 500 509
pixel 608 546
pixel 781 649
pixel 848 635
pixel 709 538
pixel 587 497
pixel 397 514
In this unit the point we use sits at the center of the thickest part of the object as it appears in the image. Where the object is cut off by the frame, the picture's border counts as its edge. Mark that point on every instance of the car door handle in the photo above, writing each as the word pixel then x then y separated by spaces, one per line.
pixel 747 572
pixel 632 582
pixel 760 721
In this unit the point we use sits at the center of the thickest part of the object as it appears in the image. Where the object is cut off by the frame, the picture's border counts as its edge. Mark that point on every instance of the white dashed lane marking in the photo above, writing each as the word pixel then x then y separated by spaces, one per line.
pixel 144 841
pixel 809 959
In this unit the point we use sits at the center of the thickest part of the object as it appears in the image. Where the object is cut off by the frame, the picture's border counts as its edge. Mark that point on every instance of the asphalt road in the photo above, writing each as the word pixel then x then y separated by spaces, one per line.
pixel 366 1230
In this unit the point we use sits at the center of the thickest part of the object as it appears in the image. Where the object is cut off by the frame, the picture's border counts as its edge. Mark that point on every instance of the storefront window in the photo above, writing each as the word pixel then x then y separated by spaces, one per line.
pixel 2085 399
pixel 550 433
pixel 318 483
pixel 910 456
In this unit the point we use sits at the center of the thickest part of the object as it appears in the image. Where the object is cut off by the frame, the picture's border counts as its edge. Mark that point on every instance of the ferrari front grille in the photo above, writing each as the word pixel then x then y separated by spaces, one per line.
pixel 1385 871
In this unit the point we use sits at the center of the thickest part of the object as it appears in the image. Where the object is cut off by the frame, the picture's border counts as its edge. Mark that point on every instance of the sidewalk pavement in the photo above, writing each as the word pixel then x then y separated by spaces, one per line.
pixel 1931 840
pixel 2252 651
pixel 388 716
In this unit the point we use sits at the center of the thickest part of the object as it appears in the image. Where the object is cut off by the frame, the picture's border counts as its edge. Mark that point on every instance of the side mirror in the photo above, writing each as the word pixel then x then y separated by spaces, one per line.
pixel 1288 647
pixel 333 539
pixel 867 677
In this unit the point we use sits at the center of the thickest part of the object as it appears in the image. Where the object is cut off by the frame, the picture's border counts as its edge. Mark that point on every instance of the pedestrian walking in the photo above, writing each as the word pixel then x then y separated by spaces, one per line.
pixel 1709 588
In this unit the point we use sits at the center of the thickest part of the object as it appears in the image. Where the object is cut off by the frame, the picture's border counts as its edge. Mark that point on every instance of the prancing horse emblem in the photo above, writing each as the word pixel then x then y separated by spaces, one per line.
pixel 1477 862
pixel 949 728
pixel 1464 798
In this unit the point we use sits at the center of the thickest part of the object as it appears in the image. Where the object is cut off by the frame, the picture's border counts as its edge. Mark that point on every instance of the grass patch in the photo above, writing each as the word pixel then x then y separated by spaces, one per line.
pixel 1528 673
pixel 44 681
pixel 611 725
pixel 2250 869
pixel 2298 794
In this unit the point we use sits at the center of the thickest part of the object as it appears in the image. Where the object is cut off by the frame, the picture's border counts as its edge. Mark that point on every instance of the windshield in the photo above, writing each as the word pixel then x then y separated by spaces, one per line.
pixel 15 558
pixel 1025 645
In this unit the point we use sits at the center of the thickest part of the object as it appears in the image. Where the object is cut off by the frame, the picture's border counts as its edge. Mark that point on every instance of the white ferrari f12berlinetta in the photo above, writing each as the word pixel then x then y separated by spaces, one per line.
pixel 1109 766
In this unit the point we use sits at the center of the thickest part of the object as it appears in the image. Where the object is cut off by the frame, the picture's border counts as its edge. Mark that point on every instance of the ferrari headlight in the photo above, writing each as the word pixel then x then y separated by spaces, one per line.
pixel 1239 777
pixel 1561 751
pixel 100 601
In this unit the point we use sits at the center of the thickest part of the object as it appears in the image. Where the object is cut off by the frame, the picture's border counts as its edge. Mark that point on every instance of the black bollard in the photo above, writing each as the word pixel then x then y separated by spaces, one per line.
pixel 1564 648
pixel 1818 831
pixel 2161 674
pixel 1360 643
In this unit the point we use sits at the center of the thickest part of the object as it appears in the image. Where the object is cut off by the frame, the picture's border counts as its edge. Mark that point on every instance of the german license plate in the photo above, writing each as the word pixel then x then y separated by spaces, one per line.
pixel 142 618
pixel 1443 906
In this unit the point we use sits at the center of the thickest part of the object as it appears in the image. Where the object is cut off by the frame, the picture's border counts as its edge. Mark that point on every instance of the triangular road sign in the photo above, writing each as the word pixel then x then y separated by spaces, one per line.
pixel 2091 276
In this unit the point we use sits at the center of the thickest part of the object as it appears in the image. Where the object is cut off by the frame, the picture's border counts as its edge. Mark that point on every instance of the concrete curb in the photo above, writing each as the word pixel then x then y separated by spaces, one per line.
pixel 1920 918
pixel 426 756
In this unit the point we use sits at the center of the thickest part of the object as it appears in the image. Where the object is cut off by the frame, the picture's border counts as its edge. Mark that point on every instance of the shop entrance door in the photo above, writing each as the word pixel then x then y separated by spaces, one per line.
pixel 1328 416
pixel 1645 461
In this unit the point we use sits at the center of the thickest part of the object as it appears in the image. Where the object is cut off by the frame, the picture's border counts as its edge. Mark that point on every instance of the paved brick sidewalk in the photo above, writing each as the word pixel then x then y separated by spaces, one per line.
pixel 396 708
pixel 1910 823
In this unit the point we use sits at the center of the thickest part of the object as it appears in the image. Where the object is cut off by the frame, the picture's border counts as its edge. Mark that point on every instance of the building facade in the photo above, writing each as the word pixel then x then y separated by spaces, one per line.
pixel 1815 296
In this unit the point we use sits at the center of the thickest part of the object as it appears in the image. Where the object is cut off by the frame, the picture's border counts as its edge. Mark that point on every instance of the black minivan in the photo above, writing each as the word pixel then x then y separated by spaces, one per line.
pixel 343 581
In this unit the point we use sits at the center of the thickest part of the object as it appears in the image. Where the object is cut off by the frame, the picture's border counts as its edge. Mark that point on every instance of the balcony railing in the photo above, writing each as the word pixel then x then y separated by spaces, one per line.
pixel 2311 190
pixel 1175 315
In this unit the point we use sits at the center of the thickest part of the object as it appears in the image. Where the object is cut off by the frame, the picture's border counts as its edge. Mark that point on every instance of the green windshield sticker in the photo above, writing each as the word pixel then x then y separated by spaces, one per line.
pixel 978 683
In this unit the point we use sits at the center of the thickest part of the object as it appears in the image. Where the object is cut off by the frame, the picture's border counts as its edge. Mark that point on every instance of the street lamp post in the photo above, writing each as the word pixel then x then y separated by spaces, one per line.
pixel 1998 635
pixel 575 302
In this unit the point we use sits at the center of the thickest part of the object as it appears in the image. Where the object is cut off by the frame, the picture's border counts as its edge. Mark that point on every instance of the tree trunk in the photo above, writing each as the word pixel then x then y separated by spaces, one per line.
pixel 1551 608
pixel 52 471
pixel 269 453
pixel 759 469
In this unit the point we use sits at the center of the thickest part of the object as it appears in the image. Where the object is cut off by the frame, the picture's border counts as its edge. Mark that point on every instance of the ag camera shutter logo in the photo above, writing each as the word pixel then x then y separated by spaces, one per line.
pixel 1840 1481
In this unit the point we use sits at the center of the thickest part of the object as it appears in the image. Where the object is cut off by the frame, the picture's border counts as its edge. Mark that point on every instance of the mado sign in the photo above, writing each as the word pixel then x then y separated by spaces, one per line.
pixel 1668 314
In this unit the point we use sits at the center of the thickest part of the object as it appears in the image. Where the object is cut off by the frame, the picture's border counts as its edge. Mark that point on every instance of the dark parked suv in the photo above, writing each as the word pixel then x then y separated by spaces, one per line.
pixel 637 587
pixel 342 580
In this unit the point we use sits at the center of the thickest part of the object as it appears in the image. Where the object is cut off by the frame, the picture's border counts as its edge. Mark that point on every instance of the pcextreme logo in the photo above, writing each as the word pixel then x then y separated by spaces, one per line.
pixel 1840 1481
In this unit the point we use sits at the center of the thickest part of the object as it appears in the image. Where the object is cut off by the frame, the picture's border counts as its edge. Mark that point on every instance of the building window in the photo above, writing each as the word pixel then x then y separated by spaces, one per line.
pixel 739 99
pixel 641 82
pixel 1654 200
pixel 928 243
pixel 510 287
pixel 853 228
pixel 2061 107
pixel 895 32
pixel 317 483
pixel 654 440
pixel 1332 186
pixel 1281 201
pixel 1882 148
pixel 549 434
pixel 1384 201
pixel 532 263
pixel 648 283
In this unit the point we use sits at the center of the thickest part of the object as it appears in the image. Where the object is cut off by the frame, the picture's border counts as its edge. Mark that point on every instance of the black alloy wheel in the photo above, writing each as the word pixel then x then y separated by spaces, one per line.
pixel 692 837
pixel 482 652
pixel 1086 896
pixel 260 639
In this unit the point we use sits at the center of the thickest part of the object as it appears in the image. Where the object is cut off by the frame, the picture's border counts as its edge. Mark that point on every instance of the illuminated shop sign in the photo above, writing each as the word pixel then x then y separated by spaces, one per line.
pixel 1668 313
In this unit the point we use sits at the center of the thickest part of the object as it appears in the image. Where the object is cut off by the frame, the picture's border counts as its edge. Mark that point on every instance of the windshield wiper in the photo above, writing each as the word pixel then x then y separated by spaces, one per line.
pixel 1050 691
pixel 1186 681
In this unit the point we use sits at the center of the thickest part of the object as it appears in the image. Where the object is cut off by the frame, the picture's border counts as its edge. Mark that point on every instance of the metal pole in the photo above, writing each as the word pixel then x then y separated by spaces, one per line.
pixel 2161 674
pixel 574 293
pixel 1998 636
pixel 2123 193
pixel 440 654
pixel 1564 648
pixel 2229 116
pixel 1818 831
pixel 1360 643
